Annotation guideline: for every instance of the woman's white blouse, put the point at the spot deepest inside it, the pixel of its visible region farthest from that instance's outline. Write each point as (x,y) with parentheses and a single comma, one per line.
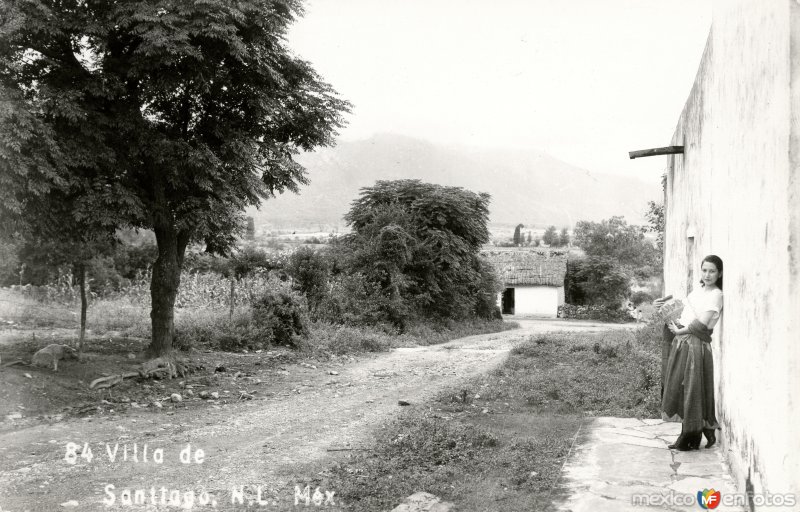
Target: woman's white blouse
(698,302)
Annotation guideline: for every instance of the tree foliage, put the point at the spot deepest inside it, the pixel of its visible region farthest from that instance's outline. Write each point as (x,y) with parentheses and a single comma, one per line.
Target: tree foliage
(655,219)
(614,238)
(250,229)
(160,114)
(518,237)
(616,252)
(416,245)
(310,270)
(550,236)
(597,280)
(563,239)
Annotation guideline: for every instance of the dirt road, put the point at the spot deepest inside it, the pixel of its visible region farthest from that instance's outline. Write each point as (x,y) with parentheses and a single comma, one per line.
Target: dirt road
(268,445)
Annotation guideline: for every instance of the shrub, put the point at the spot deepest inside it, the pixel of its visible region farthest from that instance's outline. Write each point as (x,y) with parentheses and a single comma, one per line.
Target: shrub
(486,293)
(641,297)
(352,300)
(596,280)
(310,271)
(251,259)
(417,246)
(203,262)
(602,313)
(131,259)
(9,263)
(282,315)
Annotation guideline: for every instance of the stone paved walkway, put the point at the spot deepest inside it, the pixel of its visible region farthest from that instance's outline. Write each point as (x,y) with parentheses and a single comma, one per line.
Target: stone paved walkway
(623,464)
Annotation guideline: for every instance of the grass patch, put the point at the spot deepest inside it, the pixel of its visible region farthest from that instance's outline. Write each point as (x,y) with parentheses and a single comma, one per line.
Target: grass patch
(499,441)
(479,467)
(203,324)
(616,373)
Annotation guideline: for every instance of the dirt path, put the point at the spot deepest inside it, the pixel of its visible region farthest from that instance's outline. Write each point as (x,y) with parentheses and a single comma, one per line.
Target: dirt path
(275,443)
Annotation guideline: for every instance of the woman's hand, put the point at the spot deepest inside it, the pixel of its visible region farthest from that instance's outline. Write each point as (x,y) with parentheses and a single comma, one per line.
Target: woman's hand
(672,327)
(658,303)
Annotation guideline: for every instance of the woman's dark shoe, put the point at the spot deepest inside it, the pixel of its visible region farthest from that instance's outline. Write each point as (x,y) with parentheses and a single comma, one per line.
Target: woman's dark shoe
(694,440)
(681,441)
(686,442)
(711,436)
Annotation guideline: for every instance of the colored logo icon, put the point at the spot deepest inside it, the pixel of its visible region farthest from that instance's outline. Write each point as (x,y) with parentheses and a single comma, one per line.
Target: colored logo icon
(708,499)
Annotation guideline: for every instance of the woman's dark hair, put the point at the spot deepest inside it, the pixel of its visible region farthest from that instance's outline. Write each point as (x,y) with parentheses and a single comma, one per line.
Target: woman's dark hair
(717,262)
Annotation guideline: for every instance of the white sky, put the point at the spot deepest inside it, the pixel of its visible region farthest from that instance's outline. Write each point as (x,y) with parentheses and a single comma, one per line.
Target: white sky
(583,80)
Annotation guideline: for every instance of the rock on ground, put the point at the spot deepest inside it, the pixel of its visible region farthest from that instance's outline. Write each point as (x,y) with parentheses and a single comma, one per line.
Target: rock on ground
(423,502)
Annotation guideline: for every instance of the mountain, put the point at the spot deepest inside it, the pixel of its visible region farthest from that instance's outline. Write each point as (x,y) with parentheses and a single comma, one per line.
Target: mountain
(526,186)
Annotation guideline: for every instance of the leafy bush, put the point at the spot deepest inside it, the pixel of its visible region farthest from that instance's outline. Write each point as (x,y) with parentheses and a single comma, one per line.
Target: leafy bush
(641,297)
(132,259)
(353,300)
(596,281)
(9,263)
(214,329)
(485,295)
(205,263)
(310,272)
(281,315)
(416,247)
(602,313)
(251,259)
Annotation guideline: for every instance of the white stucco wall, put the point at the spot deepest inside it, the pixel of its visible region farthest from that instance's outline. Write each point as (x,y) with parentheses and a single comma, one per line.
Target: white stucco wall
(736,191)
(537,300)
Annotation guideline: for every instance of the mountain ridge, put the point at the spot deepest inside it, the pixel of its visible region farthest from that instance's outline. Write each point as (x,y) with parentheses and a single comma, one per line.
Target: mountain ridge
(526,186)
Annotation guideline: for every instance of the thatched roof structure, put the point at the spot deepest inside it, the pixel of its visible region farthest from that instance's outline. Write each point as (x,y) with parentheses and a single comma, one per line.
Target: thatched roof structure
(528,267)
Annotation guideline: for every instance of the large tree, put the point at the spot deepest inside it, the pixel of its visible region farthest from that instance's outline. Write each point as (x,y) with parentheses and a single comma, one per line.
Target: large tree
(160,114)
(518,237)
(563,239)
(614,238)
(418,245)
(550,236)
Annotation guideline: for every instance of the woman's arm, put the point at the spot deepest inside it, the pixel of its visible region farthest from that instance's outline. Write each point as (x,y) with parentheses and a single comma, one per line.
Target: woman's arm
(675,330)
(660,302)
(704,318)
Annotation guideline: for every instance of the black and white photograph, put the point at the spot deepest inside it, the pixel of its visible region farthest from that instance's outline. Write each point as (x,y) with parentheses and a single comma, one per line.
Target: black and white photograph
(400,255)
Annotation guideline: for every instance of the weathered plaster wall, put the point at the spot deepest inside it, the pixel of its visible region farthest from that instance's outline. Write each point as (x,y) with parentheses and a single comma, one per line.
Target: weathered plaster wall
(736,193)
(536,300)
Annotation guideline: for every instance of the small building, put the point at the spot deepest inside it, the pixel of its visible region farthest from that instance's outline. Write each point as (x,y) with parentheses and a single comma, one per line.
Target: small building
(533,280)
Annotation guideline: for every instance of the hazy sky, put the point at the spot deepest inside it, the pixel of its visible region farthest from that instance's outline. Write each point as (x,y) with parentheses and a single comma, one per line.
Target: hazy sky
(584,80)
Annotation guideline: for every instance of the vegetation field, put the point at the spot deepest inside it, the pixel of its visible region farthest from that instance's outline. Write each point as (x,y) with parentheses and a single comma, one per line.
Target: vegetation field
(232,356)
(500,441)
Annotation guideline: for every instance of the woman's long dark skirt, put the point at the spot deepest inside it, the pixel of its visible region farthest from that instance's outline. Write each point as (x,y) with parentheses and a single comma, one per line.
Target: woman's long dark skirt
(689,384)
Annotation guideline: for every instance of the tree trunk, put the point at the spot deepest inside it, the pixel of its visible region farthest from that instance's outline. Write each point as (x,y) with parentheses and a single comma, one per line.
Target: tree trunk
(164,285)
(233,296)
(84,306)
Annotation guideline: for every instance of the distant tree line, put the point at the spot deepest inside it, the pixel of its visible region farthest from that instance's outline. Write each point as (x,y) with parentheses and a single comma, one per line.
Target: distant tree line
(551,237)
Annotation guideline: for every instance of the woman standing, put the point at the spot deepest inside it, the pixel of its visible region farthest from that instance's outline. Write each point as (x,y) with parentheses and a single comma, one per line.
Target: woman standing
(689,376)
